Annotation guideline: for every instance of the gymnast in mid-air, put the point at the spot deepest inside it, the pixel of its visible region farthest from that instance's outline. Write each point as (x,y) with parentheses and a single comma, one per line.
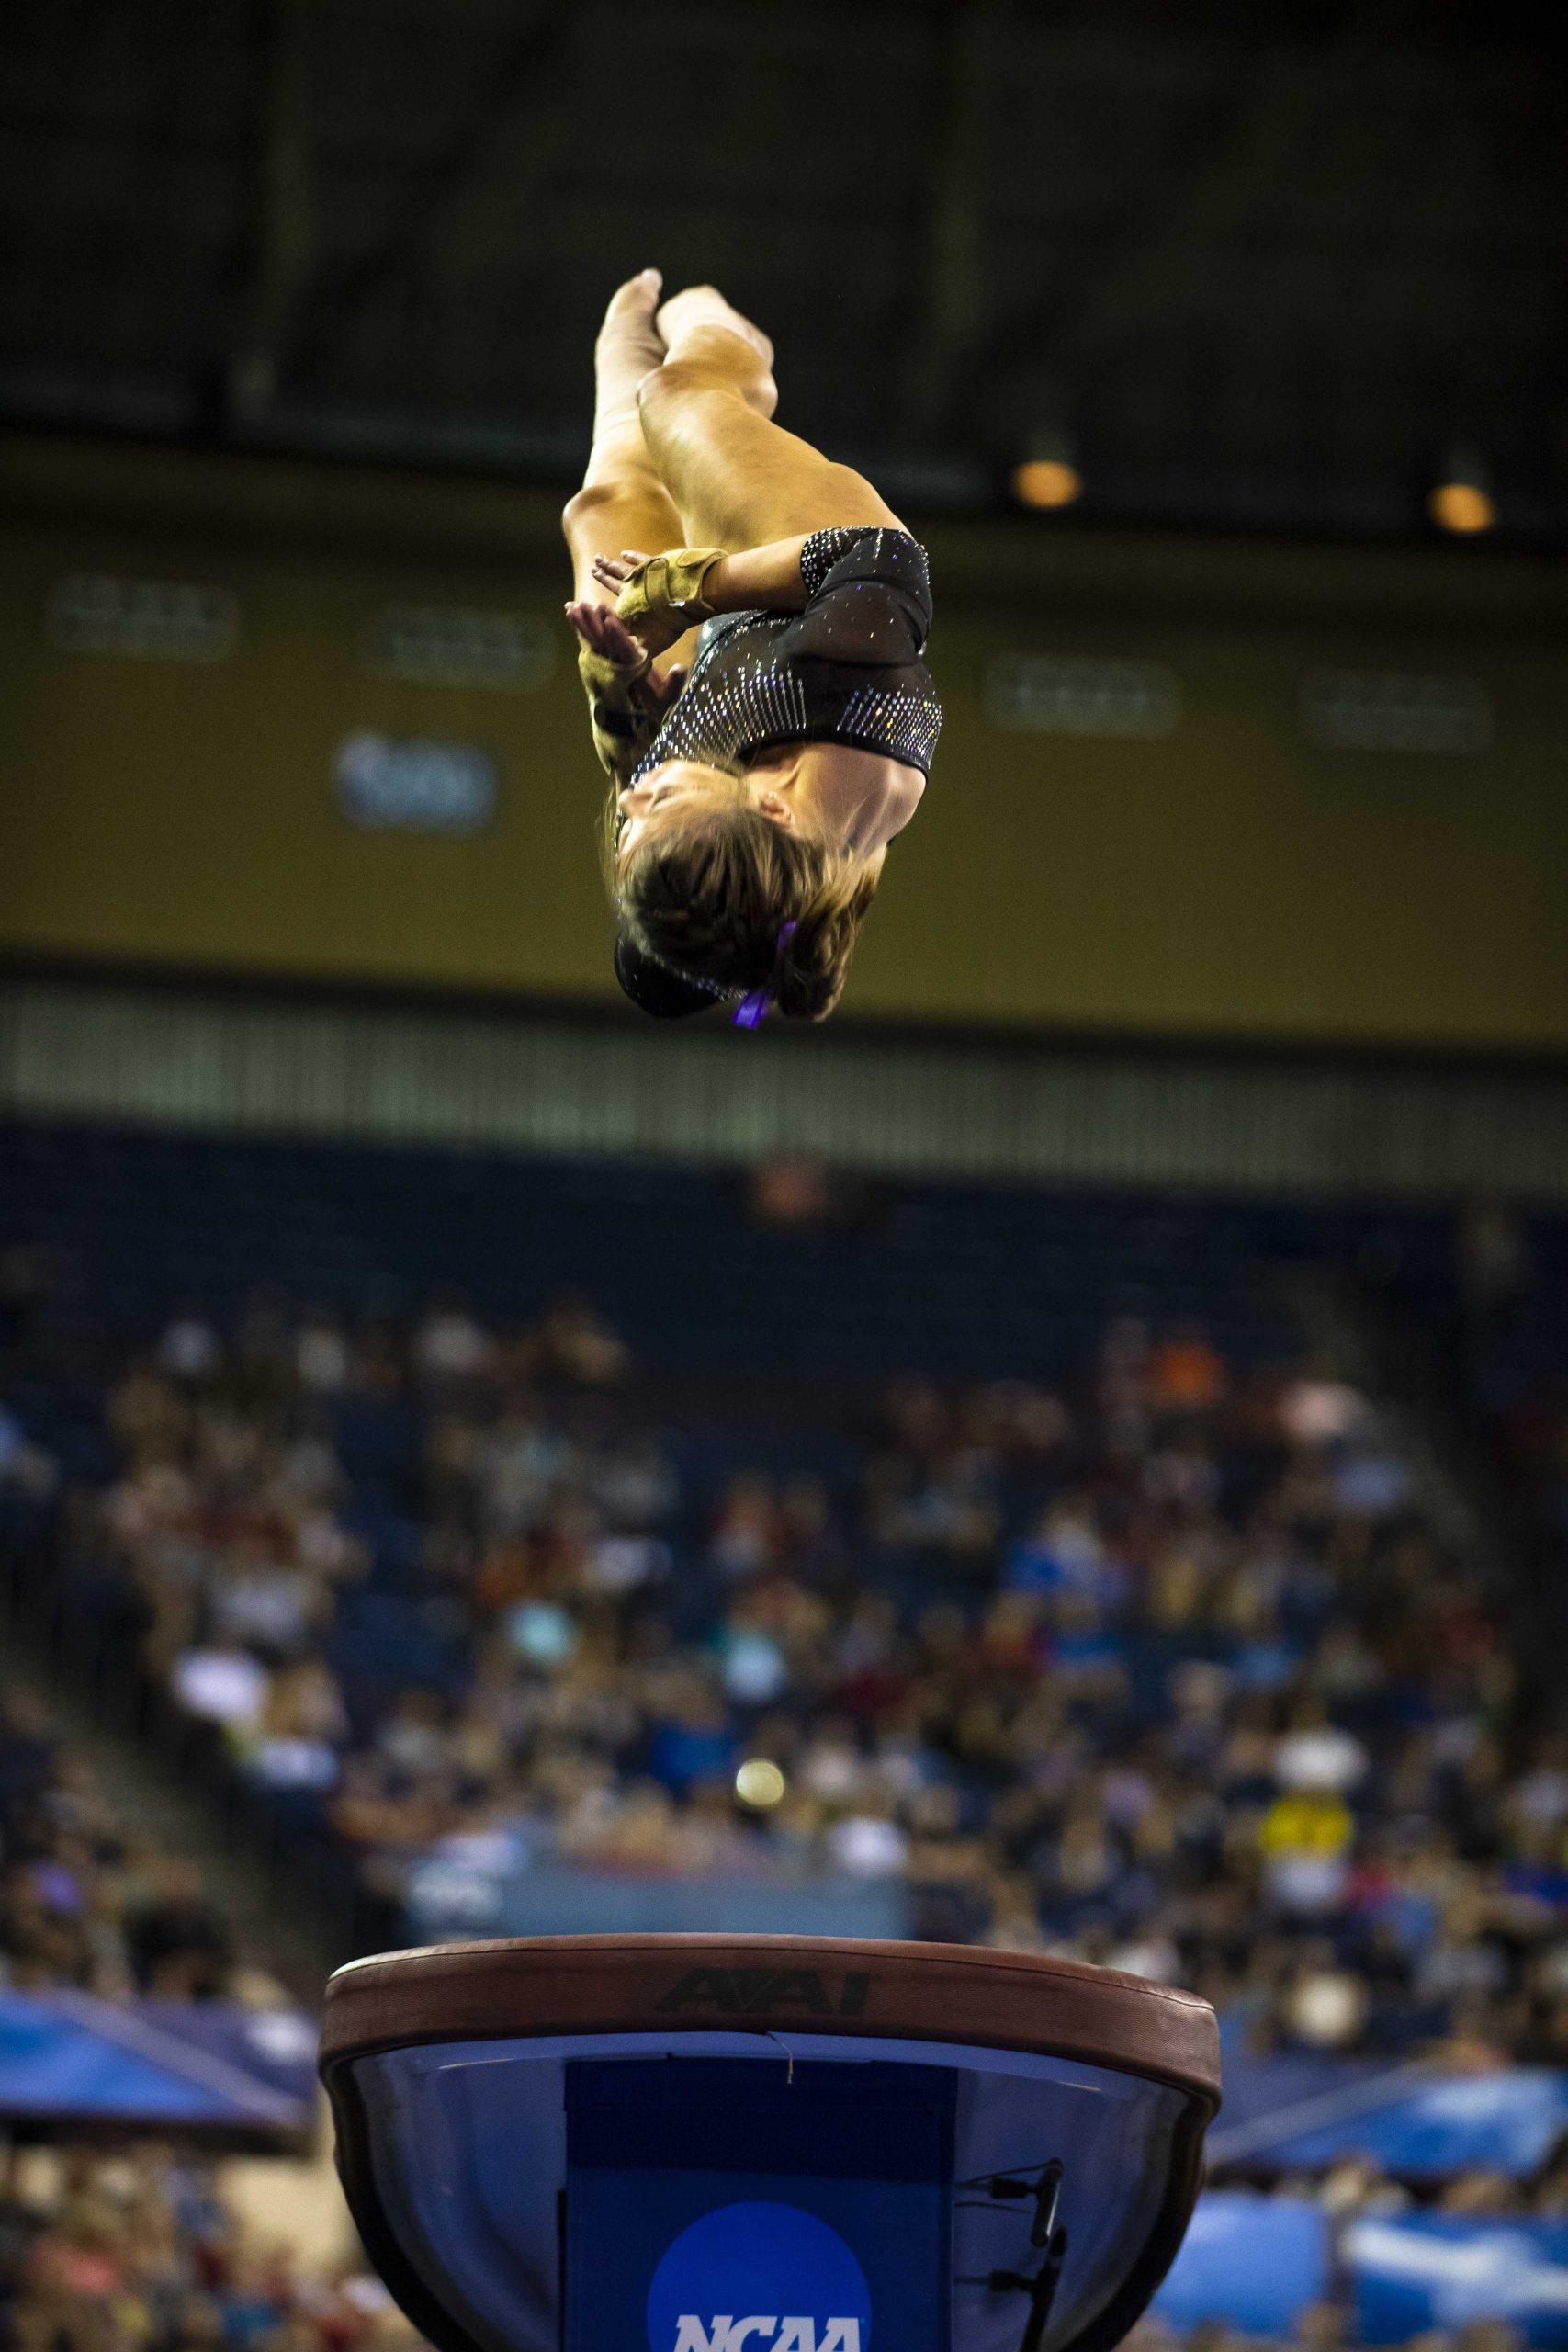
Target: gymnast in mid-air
(751,618)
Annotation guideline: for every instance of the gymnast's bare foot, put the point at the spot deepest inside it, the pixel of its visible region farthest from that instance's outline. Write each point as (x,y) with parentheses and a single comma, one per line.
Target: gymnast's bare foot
(699,310)
(704,306)
(629,344)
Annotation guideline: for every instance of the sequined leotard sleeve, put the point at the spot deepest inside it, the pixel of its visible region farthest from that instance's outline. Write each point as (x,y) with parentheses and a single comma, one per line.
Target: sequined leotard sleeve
(847,669)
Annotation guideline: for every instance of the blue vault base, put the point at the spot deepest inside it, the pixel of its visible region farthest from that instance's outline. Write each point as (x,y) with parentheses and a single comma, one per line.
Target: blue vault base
(769,2205)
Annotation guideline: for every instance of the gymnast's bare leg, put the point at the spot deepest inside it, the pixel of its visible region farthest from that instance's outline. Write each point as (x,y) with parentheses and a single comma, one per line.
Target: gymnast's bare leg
(622,503)
(737,479)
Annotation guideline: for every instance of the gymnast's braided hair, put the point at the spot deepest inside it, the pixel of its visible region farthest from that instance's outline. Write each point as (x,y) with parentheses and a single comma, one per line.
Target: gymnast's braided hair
(733,902)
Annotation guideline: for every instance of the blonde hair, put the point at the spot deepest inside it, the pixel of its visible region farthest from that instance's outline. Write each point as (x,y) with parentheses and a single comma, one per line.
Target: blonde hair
(709,897)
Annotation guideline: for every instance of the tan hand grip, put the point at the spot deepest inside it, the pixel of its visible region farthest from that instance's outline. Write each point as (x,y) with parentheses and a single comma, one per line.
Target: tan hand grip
(618,711)
(669,584)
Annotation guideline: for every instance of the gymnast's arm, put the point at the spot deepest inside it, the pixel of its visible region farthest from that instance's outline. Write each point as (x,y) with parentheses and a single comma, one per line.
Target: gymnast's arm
(758,579)
(871,581)
(765,579)
(864,594)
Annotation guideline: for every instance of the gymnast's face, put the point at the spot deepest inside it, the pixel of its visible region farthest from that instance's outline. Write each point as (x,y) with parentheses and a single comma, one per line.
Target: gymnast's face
(678,789)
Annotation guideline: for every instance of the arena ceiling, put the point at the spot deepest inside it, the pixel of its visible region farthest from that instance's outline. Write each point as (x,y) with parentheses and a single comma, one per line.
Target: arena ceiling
(1266,265)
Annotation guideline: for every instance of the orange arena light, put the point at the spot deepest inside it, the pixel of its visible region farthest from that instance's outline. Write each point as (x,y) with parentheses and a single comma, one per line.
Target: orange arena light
(1461,506)
(1047,482)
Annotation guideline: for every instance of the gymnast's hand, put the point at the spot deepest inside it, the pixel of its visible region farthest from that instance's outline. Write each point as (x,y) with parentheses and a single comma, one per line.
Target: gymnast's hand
(598,629)
(652,629)
(613,572)
(659,597)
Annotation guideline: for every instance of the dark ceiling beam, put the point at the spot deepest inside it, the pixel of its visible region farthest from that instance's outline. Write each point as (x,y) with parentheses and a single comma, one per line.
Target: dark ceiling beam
(1223,194)
(946,313)
(281,229)
(1171,247)
(1223,197)
(524,126)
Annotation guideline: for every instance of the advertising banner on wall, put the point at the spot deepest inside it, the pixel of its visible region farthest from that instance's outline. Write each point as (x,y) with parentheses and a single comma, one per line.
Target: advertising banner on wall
(1420,2271)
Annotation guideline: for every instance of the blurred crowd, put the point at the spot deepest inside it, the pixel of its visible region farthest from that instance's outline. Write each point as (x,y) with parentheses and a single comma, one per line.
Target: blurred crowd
(1321,2327)
(87,1900)
(1163,1668)
(139,2251)
(1509,1353)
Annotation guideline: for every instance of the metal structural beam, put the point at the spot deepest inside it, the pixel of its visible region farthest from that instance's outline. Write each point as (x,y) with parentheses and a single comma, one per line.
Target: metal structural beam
(1269,266)
(946,318)
(525,124)
(282,240)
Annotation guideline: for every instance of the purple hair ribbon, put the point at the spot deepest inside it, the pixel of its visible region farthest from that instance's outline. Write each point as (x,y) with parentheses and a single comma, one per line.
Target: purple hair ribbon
(753,1011)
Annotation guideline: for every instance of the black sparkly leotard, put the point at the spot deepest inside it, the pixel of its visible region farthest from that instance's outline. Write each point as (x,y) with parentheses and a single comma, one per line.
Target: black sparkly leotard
(847,669)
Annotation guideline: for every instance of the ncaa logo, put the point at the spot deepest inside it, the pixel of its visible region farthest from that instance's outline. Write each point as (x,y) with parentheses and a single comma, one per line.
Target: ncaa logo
(759,2278)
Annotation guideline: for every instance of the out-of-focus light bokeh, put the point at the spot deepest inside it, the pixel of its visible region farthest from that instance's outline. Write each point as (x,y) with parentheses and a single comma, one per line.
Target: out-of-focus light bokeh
(760,1783)
(1464,507)
(1047,482)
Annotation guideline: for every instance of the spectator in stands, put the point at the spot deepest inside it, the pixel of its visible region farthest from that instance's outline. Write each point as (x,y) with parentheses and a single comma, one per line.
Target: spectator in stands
(81,1901)
(1492,1262)
(574,1343)
(180,1943)
(25,1470)
(132,2252)
(1167,1663)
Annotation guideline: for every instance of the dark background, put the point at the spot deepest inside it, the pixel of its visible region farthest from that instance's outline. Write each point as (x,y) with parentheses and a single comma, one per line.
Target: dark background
(1266,266)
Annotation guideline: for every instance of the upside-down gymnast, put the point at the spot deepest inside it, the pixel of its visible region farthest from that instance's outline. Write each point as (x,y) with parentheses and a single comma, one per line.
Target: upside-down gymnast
(751,619)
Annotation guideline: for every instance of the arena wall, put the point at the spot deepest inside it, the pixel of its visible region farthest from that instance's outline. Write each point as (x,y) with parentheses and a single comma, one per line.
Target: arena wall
(252,1061)
(1222,790)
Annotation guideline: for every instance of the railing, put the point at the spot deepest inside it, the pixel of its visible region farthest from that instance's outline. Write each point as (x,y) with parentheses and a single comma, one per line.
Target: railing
(1034,1109)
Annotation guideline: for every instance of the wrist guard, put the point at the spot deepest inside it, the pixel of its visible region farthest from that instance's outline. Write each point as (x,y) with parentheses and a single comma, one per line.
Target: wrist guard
(619,712)
(670,584)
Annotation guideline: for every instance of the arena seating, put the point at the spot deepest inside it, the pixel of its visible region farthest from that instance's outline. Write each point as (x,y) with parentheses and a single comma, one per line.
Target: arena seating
(964,1281)
(523,1544)
(140,2249)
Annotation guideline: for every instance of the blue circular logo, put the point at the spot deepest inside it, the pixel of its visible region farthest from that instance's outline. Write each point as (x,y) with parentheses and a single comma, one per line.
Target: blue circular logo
(759,2278)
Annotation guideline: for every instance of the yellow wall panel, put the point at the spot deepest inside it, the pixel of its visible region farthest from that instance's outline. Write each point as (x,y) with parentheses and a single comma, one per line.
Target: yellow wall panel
(1228,878)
